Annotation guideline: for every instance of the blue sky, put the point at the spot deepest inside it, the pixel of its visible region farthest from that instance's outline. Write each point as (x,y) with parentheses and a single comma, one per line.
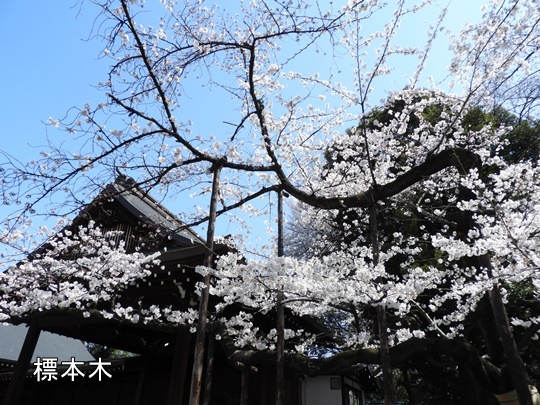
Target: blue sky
(50,64)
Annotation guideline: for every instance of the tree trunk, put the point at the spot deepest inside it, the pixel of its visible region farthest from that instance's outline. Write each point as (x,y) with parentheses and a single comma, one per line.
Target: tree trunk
(515,364)
(519,375)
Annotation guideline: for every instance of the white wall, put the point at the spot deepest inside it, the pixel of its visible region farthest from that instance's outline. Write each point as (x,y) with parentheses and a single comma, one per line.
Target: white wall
(316,391)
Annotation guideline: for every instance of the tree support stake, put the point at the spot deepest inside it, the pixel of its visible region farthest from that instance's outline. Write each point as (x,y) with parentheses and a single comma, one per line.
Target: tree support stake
(198,359)
(388,384)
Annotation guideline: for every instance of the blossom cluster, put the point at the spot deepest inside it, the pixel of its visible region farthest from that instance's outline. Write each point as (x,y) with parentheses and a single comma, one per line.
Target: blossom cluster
(85,269)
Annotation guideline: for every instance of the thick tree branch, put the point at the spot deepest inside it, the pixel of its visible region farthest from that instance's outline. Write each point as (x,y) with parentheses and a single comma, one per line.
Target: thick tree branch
(401,355)
(461,159)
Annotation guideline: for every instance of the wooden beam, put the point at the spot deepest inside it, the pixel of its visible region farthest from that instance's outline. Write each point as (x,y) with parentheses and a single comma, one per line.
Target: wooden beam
(23,364)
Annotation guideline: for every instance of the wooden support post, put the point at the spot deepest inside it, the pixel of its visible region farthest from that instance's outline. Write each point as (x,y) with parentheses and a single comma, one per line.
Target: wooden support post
(209,370)
(388,378)
(388,384)
(140,380)
(179,367)
(280,242)
(280,311)
(244,391)
(23,363)
(280,349)
(198,359)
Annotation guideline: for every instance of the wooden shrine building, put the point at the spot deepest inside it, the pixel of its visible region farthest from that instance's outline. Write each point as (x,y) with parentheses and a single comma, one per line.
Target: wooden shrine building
(160,372)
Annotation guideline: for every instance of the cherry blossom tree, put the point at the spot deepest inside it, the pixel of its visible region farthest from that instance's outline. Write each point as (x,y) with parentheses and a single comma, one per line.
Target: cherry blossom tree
(281,82)
(409,221)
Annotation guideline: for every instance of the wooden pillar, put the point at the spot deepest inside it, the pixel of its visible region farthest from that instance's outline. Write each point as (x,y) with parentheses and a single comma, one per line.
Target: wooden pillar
(23,363)
(179,367)
(140,380)
(244,390)
(263,379)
